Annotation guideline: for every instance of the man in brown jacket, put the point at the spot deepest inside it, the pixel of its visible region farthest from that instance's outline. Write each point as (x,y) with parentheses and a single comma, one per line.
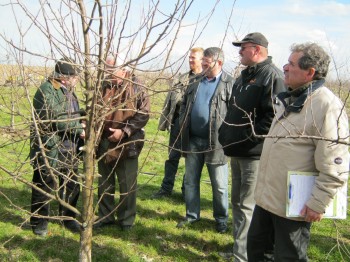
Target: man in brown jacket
(120,145)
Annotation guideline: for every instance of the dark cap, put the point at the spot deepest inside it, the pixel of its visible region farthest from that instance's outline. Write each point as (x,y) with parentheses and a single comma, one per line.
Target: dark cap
(64,67)
(255,38)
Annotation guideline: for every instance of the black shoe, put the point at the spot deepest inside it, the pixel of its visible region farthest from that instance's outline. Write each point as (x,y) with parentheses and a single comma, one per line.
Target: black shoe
(40,229)
(186,222)
(72,226)
(100,224)
(221,227)
(160,194)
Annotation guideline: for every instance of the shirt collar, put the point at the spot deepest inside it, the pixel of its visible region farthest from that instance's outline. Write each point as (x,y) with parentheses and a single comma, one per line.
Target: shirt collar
(214,78)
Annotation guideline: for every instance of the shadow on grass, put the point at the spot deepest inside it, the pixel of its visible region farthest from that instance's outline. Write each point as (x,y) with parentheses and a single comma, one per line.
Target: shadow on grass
(145,192)
(12,203)
(57,247)
(159,232)
(22,245)
(184,244)
(328,247)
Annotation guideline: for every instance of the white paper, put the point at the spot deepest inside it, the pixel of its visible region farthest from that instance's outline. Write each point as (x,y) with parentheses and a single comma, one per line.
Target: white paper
(299,190)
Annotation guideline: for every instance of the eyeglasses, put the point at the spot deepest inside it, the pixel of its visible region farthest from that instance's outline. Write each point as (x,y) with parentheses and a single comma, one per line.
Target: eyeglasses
(244,47)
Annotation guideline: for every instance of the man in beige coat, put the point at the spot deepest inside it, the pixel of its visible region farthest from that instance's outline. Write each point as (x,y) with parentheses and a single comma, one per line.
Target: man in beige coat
(309,134)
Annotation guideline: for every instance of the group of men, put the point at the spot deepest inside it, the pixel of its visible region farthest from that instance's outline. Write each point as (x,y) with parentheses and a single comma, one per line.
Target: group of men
(262,121)
(58,134)
(266,122)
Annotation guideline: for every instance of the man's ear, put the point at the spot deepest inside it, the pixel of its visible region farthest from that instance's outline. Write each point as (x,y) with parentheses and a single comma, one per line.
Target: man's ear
(257,49)
(310,73)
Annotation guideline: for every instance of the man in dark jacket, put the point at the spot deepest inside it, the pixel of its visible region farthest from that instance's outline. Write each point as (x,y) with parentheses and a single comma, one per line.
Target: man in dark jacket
(55,137)
(125,106)
(169,120)
(249,115)
(203,109)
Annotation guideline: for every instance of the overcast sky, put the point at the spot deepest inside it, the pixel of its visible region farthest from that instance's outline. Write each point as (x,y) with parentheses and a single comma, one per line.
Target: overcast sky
(283,22)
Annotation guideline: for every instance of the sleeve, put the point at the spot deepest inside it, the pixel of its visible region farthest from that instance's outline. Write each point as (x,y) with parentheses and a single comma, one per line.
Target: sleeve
(331,157)
(48,106)
(274,85)
(183,104)
(68,122)
(141,117)
(164,121)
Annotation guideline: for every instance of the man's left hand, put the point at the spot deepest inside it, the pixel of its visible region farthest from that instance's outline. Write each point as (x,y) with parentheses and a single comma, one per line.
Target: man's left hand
(310,215)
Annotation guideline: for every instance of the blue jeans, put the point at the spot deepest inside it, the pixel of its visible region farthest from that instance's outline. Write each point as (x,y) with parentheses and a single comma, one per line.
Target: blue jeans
(171,165)
(244,175)
(218,174)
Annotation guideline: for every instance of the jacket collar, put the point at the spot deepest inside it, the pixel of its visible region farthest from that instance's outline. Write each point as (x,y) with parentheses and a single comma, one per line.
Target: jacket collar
(298,104)
(225,77)
(252,70)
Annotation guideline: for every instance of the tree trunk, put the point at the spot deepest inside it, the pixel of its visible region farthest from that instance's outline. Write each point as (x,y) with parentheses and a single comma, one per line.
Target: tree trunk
(88,200)
(88,181)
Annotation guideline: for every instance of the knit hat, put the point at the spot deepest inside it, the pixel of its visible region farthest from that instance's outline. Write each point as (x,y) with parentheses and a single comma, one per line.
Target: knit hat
(255,38)
(64,67)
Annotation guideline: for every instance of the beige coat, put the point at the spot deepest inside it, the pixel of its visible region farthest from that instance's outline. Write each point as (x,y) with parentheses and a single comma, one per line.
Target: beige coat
(292,145)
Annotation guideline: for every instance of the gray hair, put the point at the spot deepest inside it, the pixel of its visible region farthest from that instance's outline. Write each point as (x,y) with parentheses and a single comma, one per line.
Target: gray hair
(314,56)
(216,53)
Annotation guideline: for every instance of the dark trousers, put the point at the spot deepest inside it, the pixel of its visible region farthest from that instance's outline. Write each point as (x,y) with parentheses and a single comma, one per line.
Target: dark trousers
(274,238)
(172,164)
(126,172)
(68,187)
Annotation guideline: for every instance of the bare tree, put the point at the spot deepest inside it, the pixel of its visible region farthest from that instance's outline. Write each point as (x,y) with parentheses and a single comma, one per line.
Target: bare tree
(88,32)
(145,32)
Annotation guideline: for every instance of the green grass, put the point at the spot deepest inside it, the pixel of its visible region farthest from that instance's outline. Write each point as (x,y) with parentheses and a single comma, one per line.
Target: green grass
(154,236)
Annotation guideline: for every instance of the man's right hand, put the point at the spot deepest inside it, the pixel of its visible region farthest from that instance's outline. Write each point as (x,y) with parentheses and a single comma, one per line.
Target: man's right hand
(116,136)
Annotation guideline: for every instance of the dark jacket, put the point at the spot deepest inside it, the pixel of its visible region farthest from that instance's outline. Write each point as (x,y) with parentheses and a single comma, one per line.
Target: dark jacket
(129,107)
(218,111)
(54,123)
(172,103)
(251,108)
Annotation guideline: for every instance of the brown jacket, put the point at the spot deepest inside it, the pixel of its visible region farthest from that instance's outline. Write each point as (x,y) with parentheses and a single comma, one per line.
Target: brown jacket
(129,106)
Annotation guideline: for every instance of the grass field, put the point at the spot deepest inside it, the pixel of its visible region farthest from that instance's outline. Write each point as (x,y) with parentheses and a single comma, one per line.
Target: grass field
(154,236)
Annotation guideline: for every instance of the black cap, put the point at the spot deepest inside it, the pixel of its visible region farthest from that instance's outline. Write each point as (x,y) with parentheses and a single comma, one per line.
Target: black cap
(64,67)
(255,38)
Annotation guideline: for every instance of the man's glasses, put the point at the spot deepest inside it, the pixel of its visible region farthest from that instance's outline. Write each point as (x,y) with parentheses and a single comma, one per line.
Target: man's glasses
(244,47)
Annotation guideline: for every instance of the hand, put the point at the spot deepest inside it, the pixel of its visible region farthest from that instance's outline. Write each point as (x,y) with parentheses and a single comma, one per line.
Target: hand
(310,215)
(82,135)
(116,136)
(83,125)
